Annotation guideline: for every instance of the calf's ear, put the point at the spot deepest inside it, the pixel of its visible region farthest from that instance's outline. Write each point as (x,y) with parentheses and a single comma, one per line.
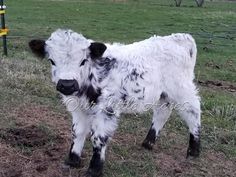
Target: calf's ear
(37,46)
(97,49)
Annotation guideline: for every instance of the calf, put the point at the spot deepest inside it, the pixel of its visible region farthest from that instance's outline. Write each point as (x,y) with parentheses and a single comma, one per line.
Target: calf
(100,81)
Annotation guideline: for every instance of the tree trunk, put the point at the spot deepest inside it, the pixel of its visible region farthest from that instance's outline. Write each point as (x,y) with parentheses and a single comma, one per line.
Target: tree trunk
(199,2)
(178,3)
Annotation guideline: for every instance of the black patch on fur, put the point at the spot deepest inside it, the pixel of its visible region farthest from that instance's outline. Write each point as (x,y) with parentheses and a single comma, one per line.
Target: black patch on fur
(91,76)
(137,90)
(73,131)
(164,96)
(134,75)
(191,52)
(104,65)
(141,75)
(83,62)
(141,98)
(92,132)
(73,159)
(92,94)
(73,127)
(150,139)
(109,111)
(38,47)
(96,164)
(82,90)
(194,145)
(97,49)
(103,140)
(124,96)
(52,62)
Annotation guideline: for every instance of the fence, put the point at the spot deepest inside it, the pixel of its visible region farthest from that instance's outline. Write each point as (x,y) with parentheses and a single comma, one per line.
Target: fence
(3,30)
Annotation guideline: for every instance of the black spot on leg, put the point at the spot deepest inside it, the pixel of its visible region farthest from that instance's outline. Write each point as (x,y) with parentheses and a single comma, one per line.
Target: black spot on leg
(73,131)
(103,140)
(92,132)
(73,159)
(191,52)
(150,139)
(72,128)
(194,145)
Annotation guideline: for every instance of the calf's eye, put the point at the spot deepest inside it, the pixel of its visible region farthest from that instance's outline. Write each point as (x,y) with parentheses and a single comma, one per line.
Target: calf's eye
(52,62)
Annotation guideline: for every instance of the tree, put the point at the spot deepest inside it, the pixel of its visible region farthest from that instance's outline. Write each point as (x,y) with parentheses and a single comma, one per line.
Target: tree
(199,3)
(178,3)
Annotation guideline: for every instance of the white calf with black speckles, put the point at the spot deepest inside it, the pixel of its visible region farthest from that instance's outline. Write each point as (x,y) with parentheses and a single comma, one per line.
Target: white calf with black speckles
(99,81)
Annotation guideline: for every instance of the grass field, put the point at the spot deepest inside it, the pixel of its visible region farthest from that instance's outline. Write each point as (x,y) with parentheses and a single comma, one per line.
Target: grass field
(35,127)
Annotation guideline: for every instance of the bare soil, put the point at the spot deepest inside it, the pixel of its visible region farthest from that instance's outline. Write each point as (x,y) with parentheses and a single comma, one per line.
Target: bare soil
(222,85)
(29,150)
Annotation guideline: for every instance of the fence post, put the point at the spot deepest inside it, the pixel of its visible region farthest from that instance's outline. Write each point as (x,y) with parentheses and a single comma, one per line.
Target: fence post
(3,31)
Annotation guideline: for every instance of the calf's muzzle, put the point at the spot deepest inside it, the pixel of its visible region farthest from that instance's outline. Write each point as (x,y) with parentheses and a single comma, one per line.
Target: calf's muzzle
(67,87)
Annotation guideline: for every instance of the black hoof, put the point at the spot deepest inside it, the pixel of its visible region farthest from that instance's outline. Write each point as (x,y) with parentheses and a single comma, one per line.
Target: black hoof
(194,147)
(73,160)
(94,172)
(193,152)
(150,139)
(147,145)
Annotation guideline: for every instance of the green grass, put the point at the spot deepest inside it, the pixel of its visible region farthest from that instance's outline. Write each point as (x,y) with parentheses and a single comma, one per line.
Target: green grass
(24,80)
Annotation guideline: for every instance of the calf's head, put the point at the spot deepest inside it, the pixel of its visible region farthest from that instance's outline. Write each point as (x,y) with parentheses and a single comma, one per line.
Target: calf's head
(71,56)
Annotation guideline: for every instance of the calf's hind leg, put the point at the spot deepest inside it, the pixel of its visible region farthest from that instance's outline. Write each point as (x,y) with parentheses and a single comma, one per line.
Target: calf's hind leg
(190,112)
(160,116)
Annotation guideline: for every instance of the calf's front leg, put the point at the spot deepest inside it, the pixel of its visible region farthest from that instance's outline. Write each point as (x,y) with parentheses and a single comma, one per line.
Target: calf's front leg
(80,129)
(103,127)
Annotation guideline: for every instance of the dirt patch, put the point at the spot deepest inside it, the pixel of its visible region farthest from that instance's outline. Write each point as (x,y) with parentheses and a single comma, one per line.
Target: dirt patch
(218,85)
(36,144)
(28,137)
(209,164)
(48,150)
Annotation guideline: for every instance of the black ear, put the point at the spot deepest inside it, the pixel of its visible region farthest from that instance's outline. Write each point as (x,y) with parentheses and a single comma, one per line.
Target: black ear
(38,47)
(97,49)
